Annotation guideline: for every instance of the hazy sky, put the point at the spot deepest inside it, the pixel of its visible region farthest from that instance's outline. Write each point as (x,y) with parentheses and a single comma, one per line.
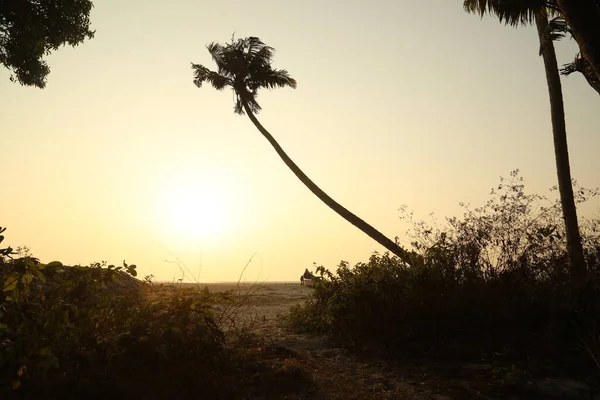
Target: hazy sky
(398,102)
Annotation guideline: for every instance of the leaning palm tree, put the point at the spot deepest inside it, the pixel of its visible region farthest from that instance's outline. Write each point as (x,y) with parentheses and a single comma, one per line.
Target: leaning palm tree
(558,28)
(583,17)
(522,12)
(244,65)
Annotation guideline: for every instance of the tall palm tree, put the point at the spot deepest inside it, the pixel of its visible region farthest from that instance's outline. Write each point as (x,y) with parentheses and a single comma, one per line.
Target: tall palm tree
(522,12)
(245,66)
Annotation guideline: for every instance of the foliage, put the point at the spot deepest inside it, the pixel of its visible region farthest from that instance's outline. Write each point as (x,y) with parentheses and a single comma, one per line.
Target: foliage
(90,332)
(244,65)
(492,283)
(95,332)
(523,12)
(30,30)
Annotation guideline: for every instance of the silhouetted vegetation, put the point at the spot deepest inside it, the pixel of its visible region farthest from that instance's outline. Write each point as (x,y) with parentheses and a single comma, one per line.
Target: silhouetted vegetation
(583,19)
(492,286)
(96,332)
(30,30)
(566,20)
(538,13)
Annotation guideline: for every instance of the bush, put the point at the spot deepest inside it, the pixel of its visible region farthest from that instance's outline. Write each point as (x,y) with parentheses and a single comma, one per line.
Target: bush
(495,282)
(90,332)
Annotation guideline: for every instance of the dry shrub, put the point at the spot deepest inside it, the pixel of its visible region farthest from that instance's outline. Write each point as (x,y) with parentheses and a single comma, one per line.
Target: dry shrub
(493,284)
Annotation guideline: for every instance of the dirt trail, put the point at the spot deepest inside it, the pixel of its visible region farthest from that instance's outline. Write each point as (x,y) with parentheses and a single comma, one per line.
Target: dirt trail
(337,375)
(341,376)
(326,372)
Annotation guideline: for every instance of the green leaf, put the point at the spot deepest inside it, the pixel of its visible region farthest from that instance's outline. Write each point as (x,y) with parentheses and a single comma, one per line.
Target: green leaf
(54,264)
(40,275)
(13,281)
(26,279)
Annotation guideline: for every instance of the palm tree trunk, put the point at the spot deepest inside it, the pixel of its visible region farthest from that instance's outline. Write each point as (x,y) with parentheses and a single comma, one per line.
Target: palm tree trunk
(583,17)
(561,153)
(404,255)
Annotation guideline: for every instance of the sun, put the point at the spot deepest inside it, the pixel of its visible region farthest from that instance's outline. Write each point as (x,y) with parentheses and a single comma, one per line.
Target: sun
(194,208)
(197,213)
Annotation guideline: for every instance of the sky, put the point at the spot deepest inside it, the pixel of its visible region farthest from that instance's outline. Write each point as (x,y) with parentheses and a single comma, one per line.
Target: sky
(398,103)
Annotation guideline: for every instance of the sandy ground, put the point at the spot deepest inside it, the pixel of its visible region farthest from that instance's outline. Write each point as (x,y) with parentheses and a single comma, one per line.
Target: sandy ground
(339,375)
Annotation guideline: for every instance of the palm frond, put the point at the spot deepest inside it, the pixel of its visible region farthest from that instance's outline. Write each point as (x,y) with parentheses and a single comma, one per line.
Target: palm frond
(582,65)
(245,65)
(253,45)
(556,30)
(250,100)
(203,74)
(511,12)
(260,59)
(271,79)
(218,54)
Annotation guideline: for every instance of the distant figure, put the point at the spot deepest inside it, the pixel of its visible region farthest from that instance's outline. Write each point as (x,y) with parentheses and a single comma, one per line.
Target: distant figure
(307,278)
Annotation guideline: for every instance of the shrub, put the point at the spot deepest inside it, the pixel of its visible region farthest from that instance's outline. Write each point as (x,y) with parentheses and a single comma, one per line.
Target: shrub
(90,332)
(494,282)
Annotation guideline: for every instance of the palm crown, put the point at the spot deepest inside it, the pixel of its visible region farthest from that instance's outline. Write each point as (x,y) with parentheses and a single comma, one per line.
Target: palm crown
(511,12)
(245,66)
(523,12)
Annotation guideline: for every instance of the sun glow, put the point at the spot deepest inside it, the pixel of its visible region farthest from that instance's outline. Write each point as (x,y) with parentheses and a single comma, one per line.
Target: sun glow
(195,208)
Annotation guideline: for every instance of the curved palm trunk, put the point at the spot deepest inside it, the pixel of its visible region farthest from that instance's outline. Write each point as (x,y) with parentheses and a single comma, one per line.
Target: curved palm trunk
(325,198)
(561,153)
(583,17)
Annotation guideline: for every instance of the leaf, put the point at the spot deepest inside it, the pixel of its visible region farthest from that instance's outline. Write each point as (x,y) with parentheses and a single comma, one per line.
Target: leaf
(40,275)
(12,283)
(16,384)
(54,264)
(26,279)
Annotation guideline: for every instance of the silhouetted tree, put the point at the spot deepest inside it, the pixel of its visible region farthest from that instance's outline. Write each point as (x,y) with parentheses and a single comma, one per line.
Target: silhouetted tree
(529,12)
(244,65)
(31,29)
(583,18)
(516,12)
